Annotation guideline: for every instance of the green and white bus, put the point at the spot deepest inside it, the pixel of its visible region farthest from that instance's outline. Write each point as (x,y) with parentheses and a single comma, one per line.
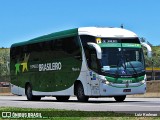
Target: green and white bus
(84,62)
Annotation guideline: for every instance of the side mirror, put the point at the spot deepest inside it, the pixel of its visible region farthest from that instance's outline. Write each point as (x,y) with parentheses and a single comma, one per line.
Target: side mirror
(149,49)
(98,49)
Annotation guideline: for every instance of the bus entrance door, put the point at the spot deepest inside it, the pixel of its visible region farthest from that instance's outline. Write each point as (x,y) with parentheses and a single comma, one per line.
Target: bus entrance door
(94,82)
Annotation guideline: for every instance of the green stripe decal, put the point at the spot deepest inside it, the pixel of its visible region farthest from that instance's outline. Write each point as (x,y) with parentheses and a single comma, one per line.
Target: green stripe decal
(110,44)
(120,80)
(131,45)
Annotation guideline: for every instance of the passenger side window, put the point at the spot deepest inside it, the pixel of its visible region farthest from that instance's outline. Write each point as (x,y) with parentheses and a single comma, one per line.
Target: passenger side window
(71,46)
(94,65)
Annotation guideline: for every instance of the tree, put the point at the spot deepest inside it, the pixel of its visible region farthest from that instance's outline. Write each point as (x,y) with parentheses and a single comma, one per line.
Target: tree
(4,59)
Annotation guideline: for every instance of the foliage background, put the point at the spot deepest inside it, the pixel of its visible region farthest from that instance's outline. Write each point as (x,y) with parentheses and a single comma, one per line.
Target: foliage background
(155,60)
(4,64)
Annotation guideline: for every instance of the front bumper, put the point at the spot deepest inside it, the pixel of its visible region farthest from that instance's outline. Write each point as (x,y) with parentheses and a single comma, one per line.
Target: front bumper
(122,89)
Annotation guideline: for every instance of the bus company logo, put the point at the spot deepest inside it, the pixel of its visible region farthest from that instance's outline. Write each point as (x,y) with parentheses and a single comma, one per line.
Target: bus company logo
(123,72)
(47,66)
(24,64)
(50,66)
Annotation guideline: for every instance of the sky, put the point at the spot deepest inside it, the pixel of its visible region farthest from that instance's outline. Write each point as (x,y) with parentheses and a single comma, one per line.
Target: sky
(22,20)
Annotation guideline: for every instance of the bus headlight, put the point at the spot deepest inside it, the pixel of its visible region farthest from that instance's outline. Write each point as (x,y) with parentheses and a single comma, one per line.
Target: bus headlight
(143,81)
(103,79)
(107,82)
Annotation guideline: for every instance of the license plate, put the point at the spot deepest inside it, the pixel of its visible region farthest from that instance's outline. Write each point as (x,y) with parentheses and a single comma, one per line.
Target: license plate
(127,90)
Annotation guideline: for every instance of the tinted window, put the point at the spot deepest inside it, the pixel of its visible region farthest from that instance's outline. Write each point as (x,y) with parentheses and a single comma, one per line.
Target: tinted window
(87,38)
(49,50)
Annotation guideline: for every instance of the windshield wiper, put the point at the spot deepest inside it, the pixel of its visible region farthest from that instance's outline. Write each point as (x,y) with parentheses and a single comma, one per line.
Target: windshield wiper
(133,68)
(121,63)
(127,60)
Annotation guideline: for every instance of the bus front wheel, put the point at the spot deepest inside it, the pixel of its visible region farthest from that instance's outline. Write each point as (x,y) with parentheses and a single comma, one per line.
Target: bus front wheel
(29,94)
(80,94)
(120,98)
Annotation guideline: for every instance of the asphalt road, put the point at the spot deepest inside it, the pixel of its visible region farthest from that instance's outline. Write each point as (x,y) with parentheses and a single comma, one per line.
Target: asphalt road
(94,104)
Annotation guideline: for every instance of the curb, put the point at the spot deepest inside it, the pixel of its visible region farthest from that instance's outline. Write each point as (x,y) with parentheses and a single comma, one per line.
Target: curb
(146,95)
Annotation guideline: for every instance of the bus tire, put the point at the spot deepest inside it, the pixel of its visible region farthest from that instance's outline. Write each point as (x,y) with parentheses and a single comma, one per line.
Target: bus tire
(80,94)
(36,98)
(62,98)
(29,94)
(120,98)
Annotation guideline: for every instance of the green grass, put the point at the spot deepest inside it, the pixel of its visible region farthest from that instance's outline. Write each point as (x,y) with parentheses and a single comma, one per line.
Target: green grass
(73,115)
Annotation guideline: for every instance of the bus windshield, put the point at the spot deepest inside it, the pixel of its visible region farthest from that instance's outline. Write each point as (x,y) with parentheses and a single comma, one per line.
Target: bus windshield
(122,61)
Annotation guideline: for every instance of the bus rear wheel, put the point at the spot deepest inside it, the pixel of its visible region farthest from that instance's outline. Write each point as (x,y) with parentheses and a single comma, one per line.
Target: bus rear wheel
(29,94)
(80,94)
(62,98)
(120,98)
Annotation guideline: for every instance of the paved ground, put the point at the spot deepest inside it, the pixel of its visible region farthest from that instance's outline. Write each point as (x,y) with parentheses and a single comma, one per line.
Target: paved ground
(94,104)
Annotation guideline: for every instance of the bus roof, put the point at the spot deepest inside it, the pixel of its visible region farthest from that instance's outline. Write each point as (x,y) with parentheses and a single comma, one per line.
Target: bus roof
(106,32)
(56,35)
(93,31)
